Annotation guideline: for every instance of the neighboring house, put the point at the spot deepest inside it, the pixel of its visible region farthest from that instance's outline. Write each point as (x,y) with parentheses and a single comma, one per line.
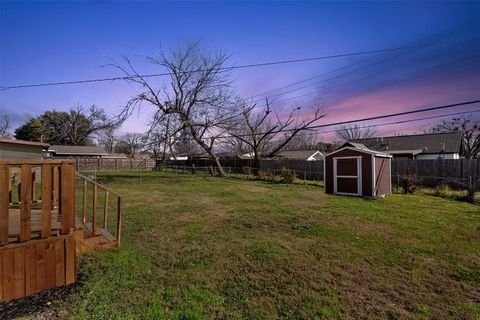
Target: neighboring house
(419,146)
(11,149)
(65,152)
(308,155)
(115,156)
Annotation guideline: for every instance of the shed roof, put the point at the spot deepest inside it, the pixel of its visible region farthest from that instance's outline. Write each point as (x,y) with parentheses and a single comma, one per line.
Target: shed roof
(361,148)
(426,143)
(79,150)
(24,142)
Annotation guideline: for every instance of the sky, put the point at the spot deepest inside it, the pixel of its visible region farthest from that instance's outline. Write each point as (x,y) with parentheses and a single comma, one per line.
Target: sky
(73,40)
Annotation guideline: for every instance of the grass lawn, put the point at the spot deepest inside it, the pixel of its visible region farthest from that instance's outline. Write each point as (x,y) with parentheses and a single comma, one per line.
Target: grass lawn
(202,248)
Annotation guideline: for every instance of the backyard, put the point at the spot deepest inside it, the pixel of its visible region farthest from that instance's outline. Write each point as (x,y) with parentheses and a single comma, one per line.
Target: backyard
(204,247)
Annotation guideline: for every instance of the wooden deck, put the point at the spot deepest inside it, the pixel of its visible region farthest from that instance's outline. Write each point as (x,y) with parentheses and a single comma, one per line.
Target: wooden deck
(35,223)
(40,234)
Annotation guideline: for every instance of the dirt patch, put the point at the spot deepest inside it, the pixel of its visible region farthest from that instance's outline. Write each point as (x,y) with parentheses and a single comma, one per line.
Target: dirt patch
(43,305)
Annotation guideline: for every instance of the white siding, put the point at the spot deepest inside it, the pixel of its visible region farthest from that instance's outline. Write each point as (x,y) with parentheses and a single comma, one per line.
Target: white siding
(434,156)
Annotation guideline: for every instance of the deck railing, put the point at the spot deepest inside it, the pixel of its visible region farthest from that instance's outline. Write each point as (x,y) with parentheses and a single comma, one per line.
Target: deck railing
(53,203)
(95,186)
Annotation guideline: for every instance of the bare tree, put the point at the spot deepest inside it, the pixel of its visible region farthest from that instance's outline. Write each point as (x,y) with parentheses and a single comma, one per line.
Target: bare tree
(198,92)
(130,144)
(265,133)
(107,139)
(352,132)
(4,126)
(469,127)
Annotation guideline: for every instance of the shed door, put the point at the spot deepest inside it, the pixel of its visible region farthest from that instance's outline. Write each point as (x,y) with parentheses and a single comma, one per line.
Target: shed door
(347,175)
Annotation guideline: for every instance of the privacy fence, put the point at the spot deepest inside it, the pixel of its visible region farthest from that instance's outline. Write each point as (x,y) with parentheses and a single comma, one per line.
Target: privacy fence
(461,172)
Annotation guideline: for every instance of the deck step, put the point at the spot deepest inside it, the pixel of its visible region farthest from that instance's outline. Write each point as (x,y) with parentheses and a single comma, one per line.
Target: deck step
(106,238)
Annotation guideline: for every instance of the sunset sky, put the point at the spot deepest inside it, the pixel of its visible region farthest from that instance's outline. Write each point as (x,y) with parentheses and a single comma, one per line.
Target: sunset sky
(61,41)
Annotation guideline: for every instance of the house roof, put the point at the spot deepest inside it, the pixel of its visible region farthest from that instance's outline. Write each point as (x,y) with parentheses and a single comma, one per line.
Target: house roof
(79,150)
(23,142)
(116,156)
(425,143)
(299,154)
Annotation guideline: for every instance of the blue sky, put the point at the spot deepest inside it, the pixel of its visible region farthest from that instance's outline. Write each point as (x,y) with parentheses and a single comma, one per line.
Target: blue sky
(57,41)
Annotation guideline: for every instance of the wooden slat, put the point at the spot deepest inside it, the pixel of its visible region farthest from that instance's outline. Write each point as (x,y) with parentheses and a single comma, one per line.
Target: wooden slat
(55,183)
(33,189)
(46,200)
(4,203)
(105,210)
(10,187)
(94,208)
(119,220)
(50,265)
(60,262)
(40,266)
(19,256)
(70,268)
(26,203)
(67,197)
(84,202)
(8,275)
(30,271)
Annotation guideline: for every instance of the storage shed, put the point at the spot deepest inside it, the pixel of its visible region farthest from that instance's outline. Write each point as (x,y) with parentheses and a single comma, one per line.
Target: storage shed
(355,170)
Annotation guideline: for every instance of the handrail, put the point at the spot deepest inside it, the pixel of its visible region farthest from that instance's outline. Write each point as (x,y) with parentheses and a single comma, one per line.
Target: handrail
(81,176)
(107,191)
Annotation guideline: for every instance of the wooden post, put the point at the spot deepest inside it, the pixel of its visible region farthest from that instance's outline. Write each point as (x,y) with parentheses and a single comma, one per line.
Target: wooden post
(46,200)
(26,203)
(10,189)
(34,191)
(67,197)
(4,204)
(105,210)
(94,209)
(119,220)
(84,202)
(55,191)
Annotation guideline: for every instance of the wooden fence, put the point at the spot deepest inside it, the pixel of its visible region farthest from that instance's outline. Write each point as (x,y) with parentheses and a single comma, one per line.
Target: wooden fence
(99,164)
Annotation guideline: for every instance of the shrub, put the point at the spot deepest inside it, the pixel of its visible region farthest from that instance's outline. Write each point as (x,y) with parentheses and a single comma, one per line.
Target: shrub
(409,183)
(442,190)
(287,175)
(266,175)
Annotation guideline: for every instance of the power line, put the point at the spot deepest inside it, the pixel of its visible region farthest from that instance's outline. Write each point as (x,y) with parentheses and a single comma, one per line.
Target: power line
(330,88)
(399,122)
(439,38)
(361,120)
(224,69)
(377,73)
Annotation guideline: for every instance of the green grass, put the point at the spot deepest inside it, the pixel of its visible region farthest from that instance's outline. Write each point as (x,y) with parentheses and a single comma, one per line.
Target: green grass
(203,248)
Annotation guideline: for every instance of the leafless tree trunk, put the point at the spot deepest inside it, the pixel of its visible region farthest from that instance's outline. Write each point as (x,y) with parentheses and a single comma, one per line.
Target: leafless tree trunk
(198,93)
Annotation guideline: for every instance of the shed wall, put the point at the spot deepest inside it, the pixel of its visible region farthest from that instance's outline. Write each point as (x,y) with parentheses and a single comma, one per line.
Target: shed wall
(382,176)
(367,182)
